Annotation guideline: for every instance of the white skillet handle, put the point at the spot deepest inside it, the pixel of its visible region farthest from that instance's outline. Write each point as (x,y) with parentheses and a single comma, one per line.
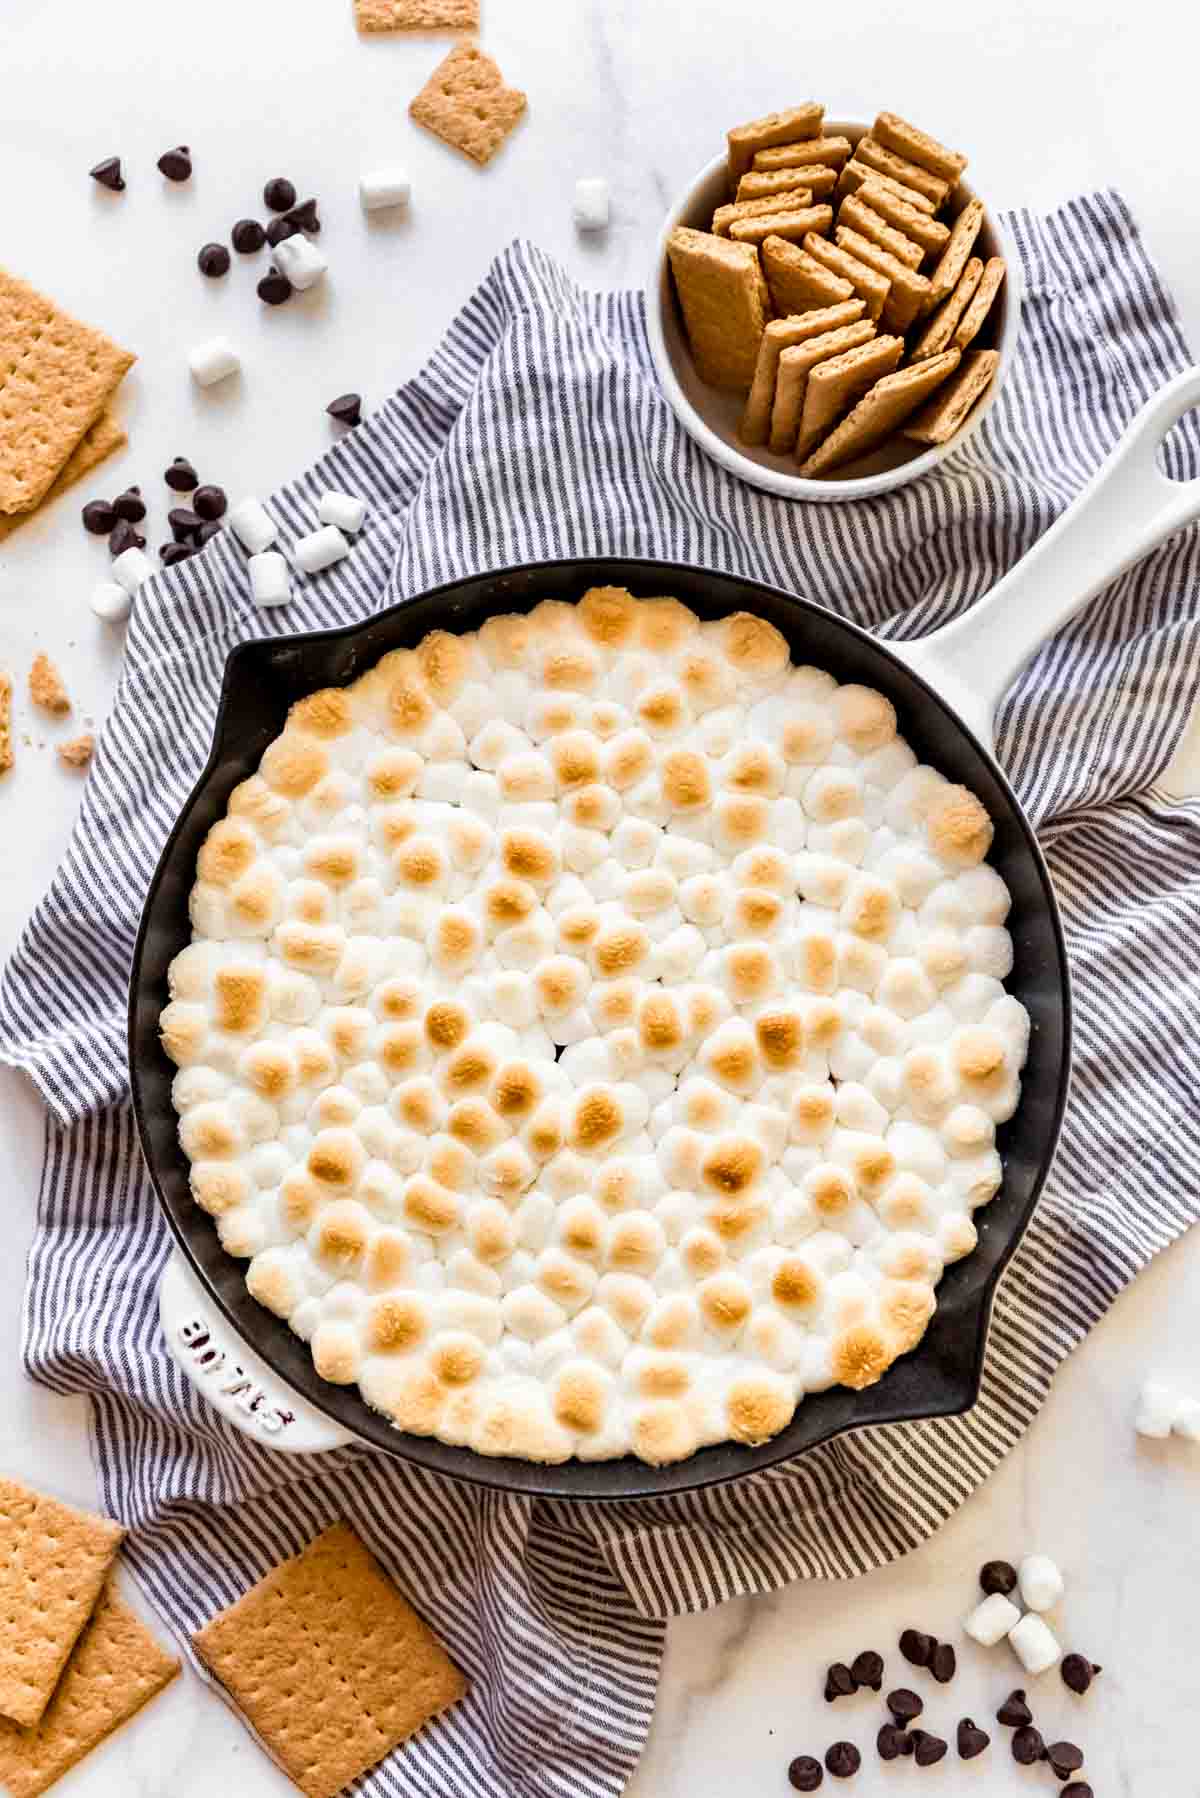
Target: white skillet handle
(233,1379)
(1127,508)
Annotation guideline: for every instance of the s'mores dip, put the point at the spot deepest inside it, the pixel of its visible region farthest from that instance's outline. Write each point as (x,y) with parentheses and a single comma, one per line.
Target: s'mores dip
(593,1033)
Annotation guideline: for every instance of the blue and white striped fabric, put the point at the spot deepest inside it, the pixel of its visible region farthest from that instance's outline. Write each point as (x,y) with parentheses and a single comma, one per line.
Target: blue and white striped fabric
(537,430)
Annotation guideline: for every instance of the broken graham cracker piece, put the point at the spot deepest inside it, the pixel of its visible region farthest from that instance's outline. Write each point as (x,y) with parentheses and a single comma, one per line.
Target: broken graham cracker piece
(909,174)
(791,380)
(783,334)
(792,201)
(871,287)
(6,761)
(880,195)
(46,687)
(465,102)
(953,259)
(796,124)
(791,226)
(939,332)
(903,139)
(331,1666)
(829,152)
(989,285)
(77,752)
(56,376)
(723,298)
(103,437)
(762,187)
(837,384)
(855,176)
(860,217)
(416,15)
(53,1562)
(908,292)
(880,412)
(797,281)
(116,1667)
(946,413)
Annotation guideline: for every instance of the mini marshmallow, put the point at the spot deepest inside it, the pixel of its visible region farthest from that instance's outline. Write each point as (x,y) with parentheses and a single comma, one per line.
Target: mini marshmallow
(320,549)
(213,361)
(1035,1645)
(380,189)
(995,1618)
(342,509)
(592,203)
(300,261)
(1042,1585)
(252,525)
(131,568)
(270,579)
(1158,1407)
(111,601)
(1187,1420)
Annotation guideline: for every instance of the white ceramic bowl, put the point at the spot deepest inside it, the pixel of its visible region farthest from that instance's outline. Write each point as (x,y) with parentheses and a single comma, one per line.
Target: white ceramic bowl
(710,415)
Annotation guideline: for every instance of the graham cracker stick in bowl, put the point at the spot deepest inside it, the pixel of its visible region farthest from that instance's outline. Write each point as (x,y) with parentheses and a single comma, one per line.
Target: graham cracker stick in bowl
(947,411)
(871,287)
(762,187)
(818,175)
(880,412)
(860,217)
(834,386)
(856,174)
(939,332)
(790,225)
(953,259)
(797,123)
(908,293)
(783,334)
(881,196)
(910,174)
(724,300)
(794,367)
(793,201)
(903,139)
(830,151)
(981,304)
(797,281)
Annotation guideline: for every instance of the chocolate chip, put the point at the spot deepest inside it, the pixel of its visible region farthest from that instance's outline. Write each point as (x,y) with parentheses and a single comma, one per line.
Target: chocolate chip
(208,530)
(108,174)
(839,1682)
(184,523)
(247,236)
(1065,1758)
(805,1774)
(971,1739)
(279,194)
(1078,1672)
(274,288)
(907,1744)
(125,537)
(176,164)
(843,1760)
(181,476)
(213,259)
(1027,1746)
(210,502)
(998,1576)
(130,505)
(304,216)
(943,1664)
(278,229)
(1014,1712)
(1078,1788)
(890,1742)
(346,408)
(927,1749)
(917,1647)
(98,517)
(866,1669)
(904,1705)
(170,553)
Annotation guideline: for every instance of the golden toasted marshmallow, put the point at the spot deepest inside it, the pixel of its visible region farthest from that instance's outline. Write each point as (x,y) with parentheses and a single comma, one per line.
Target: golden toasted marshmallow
(978,1055)
(627,1299)
(635,1243)
(959,829)
(421,863)
(661,708)
(509,902)
(570,668)
(739,821)
(397,1325)
(830,1191)
(560,983)
(401,1050)
(310,948)
(619,949)
(755,912)
(183,1029)
(430,1207)
(596,1121)
(516,1090)
(817,958)
(257,898)
(905,1203)
(254,801)
(609,616)
(582,1227)
(754,768)
(663,1432)
(732,1166)
(750,973)
(446,1026)
(335,1352)
(444,661)
(860,1356)
(662,1027)
(686,780)
(456,1358)
(393,774)
(628,759)
(229,850)
(457,942)
(580,1398)
(649,890)
(797,1288)
(865,719)
(779,1034)
(292,767)
(326,714)
(757,1408)
(614,1003)
(339,1237)
(217,1187)
(756,648)
(388,1260)
(725,1303)
(577,758)
(467,1070)
(872,909)
(766,867)
(664,625)
(473,1123)
(336,1159)
(702,1252)
(615,1186)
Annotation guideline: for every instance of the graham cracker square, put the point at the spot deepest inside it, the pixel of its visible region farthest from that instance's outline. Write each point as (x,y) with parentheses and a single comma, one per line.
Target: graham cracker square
(101,439)
(53,1562)
(116,1668)
(466,103)
(417,15)
(330,1665)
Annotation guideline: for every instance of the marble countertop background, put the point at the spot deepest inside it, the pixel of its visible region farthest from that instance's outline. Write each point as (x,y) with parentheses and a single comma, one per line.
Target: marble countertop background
(1077,94)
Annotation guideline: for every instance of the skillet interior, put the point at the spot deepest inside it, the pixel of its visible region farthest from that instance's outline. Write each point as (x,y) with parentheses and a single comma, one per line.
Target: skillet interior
(942,1375)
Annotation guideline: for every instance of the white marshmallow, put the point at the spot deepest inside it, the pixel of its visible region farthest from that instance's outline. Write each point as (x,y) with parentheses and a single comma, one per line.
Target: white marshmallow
(270,579)
(1042,1585)
(380,189)
(110,601)
(252,525)
(131,568)
(342,509)
(320,549)
(1035,1644)
(592,203)
(992,1620)
(213,361)
(300,260)
(1187,1420)
(1158,1407)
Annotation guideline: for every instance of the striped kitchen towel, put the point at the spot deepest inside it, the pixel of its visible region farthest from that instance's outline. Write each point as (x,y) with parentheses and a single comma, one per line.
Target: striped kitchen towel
(537,430)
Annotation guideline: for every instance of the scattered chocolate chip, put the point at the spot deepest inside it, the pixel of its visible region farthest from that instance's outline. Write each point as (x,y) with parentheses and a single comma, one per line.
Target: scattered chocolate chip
(108,174)
(176,164)
(181,476)
(346,408)
(805,1774)
(279,194)
(208,530)
(278,229)
(1027,1746)
(1065,1758)
(1014,1712)
(839,1682)
(998,1576)
(917,1648)
(866,1669)
(971,1739)
(304,216)
(904,1705)
(890,1742)
(843,1760)
(130,505)
(210,502)
(124,537)
(1078,1788)
(170,553)
(943,1663)
(907,1743)
(247,236)
(274,288)
(184,523)
(98,517)
(213,259)
(928,1750)
(1078,1672)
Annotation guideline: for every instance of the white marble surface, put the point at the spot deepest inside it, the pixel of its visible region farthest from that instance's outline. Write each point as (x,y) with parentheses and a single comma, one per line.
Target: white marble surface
(1072,94)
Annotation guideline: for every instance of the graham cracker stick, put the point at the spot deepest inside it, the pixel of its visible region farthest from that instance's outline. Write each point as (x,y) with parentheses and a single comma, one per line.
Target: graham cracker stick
(783,334)
(795,364)
(417,15)
(908,292)
(724,216)
(723,298)
(762,187)
(830,151)
(834,386)
(6,743)
(989,286)
(953,259)
(797,281)
(790,225)
(880,412)
(948,410)
(856,174)
(882,198)
(939,332)
(797,123)
(909,174)
(903,139)
(872,287)
(860,217)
